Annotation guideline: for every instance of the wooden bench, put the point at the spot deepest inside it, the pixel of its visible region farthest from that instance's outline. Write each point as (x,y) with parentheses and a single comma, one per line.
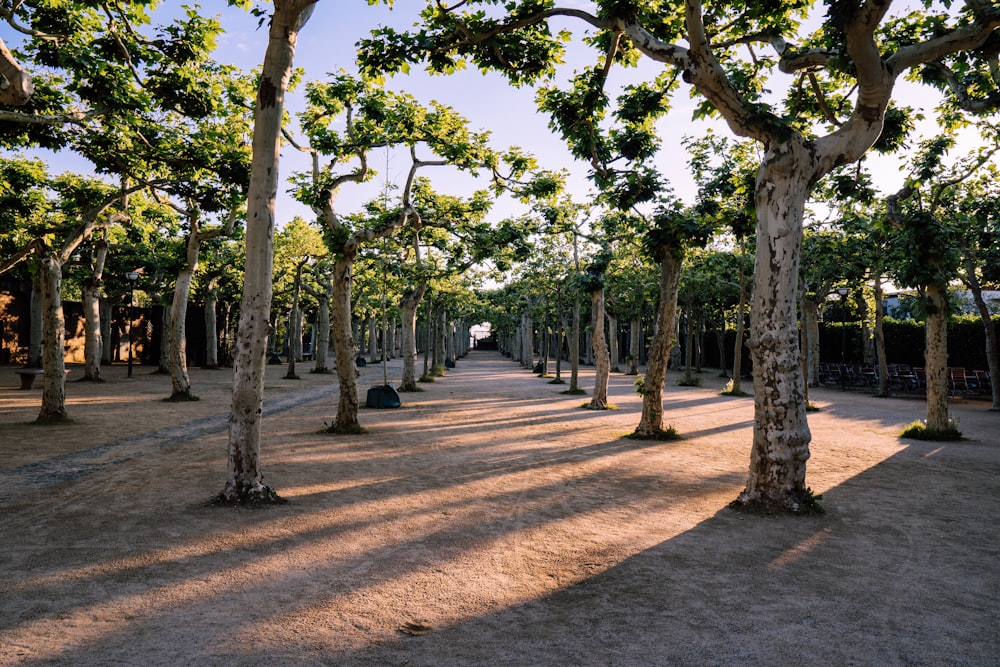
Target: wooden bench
(28,376)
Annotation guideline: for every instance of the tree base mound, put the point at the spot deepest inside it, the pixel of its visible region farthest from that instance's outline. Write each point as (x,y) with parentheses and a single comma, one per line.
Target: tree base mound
(346,429)
(664,435)
(804,503)
(182,397)
(918,431)
(574,392)
(260,497)
(53,419)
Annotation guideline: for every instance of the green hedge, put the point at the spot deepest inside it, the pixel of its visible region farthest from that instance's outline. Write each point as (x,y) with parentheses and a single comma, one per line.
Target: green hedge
(904,342)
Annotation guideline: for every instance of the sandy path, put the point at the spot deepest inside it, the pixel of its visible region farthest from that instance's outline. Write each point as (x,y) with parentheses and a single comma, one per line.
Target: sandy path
(498,521)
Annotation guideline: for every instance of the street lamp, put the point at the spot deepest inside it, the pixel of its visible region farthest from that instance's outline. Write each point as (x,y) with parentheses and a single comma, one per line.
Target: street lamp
(132,277)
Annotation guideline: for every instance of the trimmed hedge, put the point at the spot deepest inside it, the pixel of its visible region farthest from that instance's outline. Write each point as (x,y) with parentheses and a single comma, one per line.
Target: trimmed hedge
(904,342)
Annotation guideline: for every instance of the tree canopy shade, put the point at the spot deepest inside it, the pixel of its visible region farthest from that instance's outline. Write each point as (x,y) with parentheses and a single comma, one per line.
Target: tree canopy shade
(837,82)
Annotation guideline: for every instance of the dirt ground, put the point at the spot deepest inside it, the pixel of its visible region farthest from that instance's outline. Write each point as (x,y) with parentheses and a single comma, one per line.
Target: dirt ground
(489,521)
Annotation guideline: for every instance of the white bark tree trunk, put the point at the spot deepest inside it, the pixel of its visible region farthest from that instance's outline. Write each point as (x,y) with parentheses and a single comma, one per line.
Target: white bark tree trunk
(408,313)
(295,324)
(883,364)
(91,293)
(180,381)
(936,358)
(634,343)
(599,399)
(35,331)
(574,348)
(106,317)
(211,328)
(781,433)
(346,420)
(651,421)
(613,342)
(321,349)
(244,477)
(810,326)
(990,331)
(54,337)
(740,324)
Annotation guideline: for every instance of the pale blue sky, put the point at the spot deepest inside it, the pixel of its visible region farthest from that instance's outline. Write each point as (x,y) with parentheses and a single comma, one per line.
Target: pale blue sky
(327,43)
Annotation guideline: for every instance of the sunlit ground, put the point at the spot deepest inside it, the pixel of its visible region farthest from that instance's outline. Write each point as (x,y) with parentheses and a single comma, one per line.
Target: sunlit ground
(488,521)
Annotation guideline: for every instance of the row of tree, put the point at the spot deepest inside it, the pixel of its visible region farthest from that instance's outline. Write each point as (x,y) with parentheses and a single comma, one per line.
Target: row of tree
(169,126)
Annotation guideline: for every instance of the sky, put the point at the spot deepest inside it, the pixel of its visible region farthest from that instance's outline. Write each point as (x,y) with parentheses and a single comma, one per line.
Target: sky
(327,44)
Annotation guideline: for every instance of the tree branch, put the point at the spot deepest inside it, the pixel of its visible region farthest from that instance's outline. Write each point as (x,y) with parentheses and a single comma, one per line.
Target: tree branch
(15,83)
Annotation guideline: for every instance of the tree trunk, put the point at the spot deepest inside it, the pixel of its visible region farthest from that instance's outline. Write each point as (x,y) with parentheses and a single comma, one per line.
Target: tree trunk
(322,346)
(408,314)
(777,476)
(599,399)
(574,348)
(106,317)
(651,421)
(720,346)
(343,347)
(738,345)
(211,329)
(35,330)
(689,346)
(373,347)
(867,348)
(180,381)
(54,337)
(810,329)
(244,482)
(990,331)
(613,343)
(634,347)
(163,366)
(936,357)
(440,340)
(295,324)
(93,345)
(91,296)
(883,364)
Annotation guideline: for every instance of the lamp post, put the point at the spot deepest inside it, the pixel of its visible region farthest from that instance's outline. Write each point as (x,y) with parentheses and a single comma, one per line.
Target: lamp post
(132,277)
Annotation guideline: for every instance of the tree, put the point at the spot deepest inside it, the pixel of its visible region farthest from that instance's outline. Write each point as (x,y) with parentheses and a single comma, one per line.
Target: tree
(244,483)
(981,258)
(672,232)
(829,258)
(593,284)
(88,212)
(296,246)
(176,341)
(926,235)
(837,108)
(374,117)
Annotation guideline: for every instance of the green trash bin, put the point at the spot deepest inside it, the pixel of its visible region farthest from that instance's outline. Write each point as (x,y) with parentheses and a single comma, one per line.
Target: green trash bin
(383,396)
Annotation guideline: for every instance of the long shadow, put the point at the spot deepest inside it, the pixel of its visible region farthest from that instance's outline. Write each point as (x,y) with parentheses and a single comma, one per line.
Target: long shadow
(901,572)
(345,552)
(20,480)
